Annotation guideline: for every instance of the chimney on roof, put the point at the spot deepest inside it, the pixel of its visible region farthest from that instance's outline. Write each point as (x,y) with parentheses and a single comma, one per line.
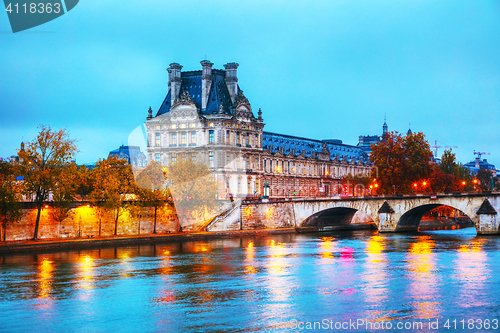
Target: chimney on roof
(232,79)
(477,163)
(174,81)
(206,82)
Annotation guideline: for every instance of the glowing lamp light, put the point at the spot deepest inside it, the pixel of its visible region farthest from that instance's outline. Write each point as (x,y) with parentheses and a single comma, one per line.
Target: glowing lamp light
(424,183)
(376,185)
(475,181)
(88,206)
(414,184)
(463,183)
(46,206)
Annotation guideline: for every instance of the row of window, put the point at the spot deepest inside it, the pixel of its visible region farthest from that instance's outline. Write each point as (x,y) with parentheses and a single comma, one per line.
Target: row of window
(183,137)
(270,166)
(308,168)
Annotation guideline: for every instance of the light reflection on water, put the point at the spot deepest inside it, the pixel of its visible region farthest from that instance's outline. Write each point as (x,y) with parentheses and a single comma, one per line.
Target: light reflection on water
(254,283)
(422,273)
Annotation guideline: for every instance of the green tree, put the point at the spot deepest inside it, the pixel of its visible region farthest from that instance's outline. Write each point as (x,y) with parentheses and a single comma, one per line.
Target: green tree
(448,163)
(113,181)
(400,161)
(40,162)
(10,208)
(193,189)
(484,177)
(151,188)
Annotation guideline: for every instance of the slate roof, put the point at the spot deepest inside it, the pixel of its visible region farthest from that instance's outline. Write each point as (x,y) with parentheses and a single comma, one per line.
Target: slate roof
(191,82)
(311,146)
(130,153)
(483,164)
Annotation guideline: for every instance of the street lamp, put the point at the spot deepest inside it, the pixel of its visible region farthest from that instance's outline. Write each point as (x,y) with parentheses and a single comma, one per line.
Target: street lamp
(266,190)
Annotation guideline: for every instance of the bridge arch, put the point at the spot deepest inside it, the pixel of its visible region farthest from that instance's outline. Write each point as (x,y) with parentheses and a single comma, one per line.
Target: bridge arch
(337,218)
(410,220)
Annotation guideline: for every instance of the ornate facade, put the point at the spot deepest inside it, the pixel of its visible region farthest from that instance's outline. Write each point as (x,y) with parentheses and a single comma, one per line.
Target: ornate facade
(206,116)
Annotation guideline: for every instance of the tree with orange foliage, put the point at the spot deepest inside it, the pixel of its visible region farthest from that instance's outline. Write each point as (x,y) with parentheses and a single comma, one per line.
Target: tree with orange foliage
(112,181)
(40,162)
(64,191)
(193,188)
(400,161)
(151,188)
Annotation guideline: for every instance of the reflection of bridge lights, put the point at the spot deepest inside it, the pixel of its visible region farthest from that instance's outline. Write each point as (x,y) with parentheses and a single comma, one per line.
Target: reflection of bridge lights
(346,252)
(327,247)
(250,244)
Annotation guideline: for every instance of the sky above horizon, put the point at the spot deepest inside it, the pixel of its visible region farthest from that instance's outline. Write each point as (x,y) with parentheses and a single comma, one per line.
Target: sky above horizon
(318,69)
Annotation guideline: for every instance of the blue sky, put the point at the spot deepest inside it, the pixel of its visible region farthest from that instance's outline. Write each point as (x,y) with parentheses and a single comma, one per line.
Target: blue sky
(318,69)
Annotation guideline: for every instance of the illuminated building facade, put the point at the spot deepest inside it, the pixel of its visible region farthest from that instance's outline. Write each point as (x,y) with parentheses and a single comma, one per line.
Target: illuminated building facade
(206,116)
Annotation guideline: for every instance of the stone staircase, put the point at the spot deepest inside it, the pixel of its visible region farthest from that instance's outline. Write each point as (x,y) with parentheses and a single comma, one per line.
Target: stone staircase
(228,220)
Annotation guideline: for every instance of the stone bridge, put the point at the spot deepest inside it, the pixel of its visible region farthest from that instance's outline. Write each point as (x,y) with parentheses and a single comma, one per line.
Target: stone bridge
(389,213)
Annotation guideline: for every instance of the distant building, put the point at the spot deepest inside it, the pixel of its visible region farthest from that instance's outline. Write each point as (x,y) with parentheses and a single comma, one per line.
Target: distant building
(366,141)
(132,154)
(206,116)
(478,164)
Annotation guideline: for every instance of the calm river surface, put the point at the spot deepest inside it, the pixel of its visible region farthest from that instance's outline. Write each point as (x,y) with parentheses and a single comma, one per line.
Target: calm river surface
(270,283)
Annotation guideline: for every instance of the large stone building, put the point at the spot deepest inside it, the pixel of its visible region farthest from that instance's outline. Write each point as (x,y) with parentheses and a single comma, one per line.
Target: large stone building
(206,116)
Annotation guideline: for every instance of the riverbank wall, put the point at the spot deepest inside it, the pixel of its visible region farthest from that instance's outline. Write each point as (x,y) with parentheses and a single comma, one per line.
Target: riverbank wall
(83,221)
(60,244)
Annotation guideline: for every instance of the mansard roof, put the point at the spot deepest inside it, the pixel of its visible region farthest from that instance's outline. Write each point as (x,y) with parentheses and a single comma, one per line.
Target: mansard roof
(312,147)
(217,96)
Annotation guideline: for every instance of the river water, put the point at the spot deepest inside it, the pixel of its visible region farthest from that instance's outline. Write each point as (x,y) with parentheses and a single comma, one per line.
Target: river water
(287,282)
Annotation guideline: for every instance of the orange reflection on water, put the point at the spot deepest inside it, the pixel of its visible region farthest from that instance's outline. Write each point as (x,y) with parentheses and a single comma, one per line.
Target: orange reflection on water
(278,282)
(201,247)
(86,272)
(166,263)
(250,262)
(375,277)
(471,269)
(327,247)
(45,276)
(277,251)
(421,270)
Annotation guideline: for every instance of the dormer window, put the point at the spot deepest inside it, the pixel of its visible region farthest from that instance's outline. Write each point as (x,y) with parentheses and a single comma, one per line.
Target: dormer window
(211,125)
